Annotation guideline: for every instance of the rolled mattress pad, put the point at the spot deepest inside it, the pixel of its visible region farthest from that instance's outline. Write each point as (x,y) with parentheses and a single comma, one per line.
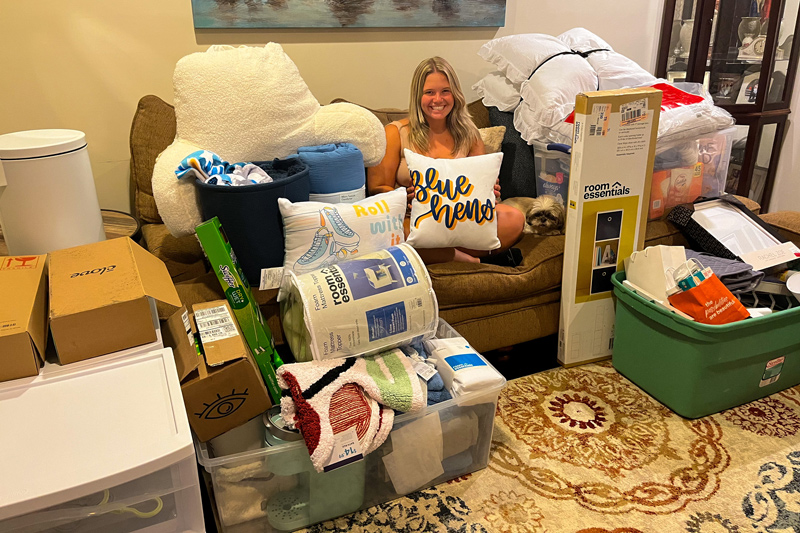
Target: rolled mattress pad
(375,302)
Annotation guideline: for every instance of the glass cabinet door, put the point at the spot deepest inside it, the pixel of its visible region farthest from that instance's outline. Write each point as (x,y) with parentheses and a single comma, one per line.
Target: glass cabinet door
(738,51)
(777,90)
(681,39)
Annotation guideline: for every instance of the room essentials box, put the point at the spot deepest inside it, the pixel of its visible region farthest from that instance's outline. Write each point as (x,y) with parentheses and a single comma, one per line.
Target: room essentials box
(101,445)
(99,298)
(237,290)
(275,488)
(699,369)
(221,385)
(23,315)
(611,169)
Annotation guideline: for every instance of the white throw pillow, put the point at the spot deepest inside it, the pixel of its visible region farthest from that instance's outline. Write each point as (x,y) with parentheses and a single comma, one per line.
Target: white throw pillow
(517,56)
(497,91)
(318,234)
(454,203)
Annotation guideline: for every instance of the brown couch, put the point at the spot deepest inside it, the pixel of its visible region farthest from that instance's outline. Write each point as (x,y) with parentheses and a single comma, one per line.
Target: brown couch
(491,306)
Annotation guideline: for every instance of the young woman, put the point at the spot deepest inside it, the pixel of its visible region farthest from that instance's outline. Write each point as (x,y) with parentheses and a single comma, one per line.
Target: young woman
(439,126)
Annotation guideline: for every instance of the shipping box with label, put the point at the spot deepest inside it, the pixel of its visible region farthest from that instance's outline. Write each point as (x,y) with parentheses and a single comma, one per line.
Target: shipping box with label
(237,290)
(225,388)
(23,315)
(610,175)
(179,334)
(99,298)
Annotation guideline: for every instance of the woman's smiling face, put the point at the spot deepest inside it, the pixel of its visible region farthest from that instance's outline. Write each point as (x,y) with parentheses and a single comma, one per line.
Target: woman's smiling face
(437,97)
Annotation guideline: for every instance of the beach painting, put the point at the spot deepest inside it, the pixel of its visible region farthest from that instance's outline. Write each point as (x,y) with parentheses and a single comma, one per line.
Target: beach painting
(348,13)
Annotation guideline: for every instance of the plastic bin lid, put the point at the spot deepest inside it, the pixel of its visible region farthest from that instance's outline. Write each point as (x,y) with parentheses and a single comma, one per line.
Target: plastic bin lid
(40,143)
(75,431)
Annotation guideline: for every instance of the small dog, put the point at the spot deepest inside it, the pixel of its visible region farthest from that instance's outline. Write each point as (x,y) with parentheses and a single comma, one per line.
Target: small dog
(544,215)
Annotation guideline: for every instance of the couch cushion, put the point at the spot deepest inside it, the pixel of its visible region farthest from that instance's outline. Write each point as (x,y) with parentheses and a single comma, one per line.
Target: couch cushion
(470,284)
(182,255)
(786,222)
(152,130)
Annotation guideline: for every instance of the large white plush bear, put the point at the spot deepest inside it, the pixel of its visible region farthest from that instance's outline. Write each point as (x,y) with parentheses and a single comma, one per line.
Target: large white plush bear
(248,104)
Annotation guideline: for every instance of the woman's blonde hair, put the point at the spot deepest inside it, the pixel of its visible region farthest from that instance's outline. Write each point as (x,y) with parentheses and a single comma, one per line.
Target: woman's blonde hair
(459,121)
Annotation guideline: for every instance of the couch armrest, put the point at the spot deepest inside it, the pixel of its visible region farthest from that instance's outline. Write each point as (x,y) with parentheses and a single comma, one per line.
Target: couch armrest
(786,222)
(182,255)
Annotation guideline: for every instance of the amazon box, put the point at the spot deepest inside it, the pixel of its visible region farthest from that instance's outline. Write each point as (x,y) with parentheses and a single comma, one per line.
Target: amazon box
(99,298)
(23,315)
(225,389)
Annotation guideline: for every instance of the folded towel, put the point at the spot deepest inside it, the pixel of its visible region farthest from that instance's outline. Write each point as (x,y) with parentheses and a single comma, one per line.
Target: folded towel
(333,168)
(312,401)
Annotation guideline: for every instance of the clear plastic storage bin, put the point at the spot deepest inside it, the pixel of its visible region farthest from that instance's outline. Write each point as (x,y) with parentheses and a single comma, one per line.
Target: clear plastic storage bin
(275,488)
(687,170)
(551,165)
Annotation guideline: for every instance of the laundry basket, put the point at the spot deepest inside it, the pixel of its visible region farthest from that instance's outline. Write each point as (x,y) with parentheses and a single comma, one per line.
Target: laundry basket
(250,213)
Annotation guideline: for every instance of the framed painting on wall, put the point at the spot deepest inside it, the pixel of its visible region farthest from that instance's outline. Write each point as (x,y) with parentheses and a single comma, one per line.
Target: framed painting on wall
(347,13)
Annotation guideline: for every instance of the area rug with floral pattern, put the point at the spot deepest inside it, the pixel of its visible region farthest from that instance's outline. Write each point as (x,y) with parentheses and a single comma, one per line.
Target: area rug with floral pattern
(583,450)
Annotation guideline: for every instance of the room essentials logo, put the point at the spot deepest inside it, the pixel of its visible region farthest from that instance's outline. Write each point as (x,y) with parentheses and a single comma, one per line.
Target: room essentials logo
(604,190)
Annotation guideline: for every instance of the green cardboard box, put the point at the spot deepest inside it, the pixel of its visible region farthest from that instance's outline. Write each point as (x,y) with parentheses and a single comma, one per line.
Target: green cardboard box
(258,335)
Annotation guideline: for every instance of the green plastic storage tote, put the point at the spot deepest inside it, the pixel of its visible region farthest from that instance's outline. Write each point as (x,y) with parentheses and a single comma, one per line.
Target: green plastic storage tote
(698,369)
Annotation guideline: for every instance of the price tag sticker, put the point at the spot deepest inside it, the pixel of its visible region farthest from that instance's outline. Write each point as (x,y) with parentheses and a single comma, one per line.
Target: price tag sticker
(270,278)
(598,122)
(346,450)
(424,371)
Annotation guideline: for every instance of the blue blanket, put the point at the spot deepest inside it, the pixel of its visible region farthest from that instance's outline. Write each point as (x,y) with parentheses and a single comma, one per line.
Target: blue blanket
(333,167)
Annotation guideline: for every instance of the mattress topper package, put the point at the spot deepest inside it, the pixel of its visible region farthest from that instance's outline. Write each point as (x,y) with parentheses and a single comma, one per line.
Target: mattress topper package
(372,303)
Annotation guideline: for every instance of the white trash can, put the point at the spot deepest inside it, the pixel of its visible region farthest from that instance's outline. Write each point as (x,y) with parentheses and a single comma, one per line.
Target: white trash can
(50,201)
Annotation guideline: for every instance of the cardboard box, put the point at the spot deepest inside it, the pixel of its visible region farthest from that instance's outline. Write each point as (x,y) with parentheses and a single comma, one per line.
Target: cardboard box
(248,315)
(179,334)
(99,298)
(225,389)
(23,315)
(611,171)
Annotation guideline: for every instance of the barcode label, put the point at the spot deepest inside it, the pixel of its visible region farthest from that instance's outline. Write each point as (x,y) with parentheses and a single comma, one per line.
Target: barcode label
(598,123)
(203,313)
(633,112)
(187,326)
(215,323)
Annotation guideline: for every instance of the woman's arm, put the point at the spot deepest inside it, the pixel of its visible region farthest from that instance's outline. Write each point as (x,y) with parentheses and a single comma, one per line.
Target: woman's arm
(383,176)
(478,148)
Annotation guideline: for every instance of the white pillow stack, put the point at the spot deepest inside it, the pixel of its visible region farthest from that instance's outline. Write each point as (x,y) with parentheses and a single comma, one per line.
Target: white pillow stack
(538,77)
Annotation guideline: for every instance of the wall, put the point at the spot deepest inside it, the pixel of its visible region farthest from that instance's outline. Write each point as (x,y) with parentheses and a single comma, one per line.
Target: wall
(786,191)
(83,64)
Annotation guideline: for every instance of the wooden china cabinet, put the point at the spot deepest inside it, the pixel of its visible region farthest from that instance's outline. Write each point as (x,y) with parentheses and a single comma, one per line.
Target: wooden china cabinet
(736,48)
